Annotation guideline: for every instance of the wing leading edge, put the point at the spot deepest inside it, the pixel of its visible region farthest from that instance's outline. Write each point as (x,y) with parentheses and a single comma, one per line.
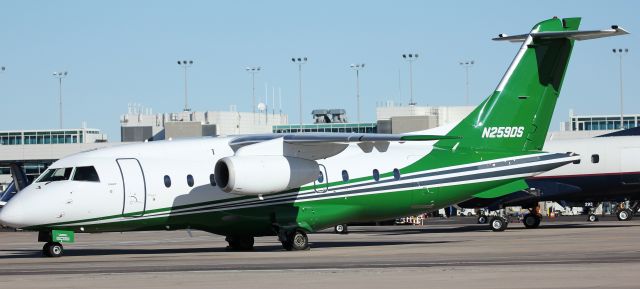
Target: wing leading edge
(337,138)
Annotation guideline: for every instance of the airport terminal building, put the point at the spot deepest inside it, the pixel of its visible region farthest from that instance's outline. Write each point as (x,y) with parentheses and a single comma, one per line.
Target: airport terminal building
(37,149)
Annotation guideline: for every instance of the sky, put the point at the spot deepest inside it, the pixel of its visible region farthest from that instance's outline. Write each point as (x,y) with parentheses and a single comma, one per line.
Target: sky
(122,52)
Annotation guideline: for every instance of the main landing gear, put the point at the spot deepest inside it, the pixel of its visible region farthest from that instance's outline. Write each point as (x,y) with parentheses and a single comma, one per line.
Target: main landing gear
(626,214)
(52,249)
(240,243)
(296,240)
(533,218)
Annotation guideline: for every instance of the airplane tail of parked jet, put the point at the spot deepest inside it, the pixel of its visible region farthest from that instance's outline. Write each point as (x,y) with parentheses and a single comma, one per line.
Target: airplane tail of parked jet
(516,116)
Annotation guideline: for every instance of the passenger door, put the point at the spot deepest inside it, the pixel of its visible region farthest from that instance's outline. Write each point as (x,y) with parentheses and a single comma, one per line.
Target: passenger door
(134,186)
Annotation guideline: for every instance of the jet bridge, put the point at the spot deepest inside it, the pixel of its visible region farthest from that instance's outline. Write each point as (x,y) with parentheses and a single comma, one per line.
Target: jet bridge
(20,181)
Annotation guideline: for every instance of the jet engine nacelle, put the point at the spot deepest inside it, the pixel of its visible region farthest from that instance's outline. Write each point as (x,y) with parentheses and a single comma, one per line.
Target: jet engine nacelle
(257,175)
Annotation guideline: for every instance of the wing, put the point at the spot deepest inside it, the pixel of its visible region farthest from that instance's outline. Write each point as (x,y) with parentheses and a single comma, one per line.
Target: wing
(319,145)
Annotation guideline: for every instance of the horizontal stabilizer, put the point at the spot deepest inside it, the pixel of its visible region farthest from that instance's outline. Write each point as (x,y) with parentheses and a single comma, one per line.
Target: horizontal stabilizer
(573,35)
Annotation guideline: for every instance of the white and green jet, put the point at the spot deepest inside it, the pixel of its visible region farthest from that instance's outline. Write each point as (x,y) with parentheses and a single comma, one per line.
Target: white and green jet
(288,185)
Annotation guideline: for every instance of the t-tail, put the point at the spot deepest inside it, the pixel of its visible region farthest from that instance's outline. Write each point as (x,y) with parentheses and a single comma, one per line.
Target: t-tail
(516,116)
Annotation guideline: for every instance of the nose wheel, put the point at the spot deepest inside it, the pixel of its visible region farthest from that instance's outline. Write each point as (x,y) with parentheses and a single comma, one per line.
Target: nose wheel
(52,249)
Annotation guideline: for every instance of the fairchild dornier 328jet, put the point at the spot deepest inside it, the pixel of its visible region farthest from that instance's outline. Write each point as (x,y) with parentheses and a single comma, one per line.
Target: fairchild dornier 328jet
(288,185)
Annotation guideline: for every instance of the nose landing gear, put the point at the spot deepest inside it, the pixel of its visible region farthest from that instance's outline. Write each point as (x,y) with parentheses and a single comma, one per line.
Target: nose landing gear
(52,249)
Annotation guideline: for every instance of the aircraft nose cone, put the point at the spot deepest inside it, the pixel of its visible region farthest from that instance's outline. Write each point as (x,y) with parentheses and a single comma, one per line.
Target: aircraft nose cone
(10,216)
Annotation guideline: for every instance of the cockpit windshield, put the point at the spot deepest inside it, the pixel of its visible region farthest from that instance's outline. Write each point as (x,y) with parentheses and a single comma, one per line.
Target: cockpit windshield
(88,174)
(57,174)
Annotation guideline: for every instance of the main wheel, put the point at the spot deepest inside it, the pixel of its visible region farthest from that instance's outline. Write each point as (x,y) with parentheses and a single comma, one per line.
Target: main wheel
(592,218)
(341,229)
(531,221)
(498,224)
(624,215)
(296,241)
(240,243)
(482,219)
(52,249)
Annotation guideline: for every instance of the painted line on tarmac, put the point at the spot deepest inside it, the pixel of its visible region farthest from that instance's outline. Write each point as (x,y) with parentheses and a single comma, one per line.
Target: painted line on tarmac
(311,267)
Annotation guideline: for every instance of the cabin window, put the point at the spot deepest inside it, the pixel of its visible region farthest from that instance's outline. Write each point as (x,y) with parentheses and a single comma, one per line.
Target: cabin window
(595,158)
(87,174)
(576,162)
(345,176)
(190,180)
(396,174)
(376,175)
(167,181)
(320,177)
(54,175)
(212,180)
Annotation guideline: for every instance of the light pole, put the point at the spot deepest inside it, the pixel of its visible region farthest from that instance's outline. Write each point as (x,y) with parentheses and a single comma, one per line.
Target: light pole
(185,64)
(620,52)
(300,61)
(253,70)
(357,68)
(60,75)
(467,64)
(411,57)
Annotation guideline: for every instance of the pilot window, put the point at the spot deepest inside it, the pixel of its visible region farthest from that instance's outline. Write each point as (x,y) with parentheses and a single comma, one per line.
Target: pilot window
(595,159)
(54,175)
(88,174)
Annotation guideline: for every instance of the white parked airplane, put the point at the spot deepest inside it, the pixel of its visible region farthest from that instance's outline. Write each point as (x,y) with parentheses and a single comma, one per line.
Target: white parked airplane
(291,184)
(608,170)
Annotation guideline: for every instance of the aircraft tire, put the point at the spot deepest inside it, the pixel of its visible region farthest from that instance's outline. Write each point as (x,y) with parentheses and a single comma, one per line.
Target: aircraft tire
(624,215)
(592,218)
(240,243)
(482,219)
(341,229)
(498,224)
(296,241)
(52,249)
(531,221)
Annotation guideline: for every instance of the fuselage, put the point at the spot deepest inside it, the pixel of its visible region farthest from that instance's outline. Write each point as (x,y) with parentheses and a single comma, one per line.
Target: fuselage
(170,185)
